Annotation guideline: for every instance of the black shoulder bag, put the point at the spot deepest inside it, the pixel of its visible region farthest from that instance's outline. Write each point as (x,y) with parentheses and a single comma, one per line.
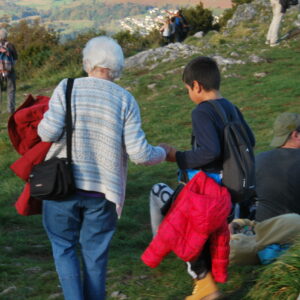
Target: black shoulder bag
(53,179)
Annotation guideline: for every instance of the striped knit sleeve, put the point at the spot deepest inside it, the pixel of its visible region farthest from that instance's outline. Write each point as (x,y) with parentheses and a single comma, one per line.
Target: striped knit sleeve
(137,147)
(52,125)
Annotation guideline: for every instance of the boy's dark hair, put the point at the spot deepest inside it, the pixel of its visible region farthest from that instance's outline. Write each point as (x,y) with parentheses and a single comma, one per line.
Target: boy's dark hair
(205,71)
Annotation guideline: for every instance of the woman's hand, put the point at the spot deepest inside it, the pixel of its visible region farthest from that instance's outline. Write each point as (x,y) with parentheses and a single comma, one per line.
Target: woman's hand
(171,152)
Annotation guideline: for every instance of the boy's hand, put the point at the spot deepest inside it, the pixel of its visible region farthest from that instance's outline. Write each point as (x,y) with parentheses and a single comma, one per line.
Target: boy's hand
(171,152)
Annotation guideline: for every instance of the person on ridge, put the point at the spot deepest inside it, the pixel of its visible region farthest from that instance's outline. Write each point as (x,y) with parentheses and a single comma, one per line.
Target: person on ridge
(8,60)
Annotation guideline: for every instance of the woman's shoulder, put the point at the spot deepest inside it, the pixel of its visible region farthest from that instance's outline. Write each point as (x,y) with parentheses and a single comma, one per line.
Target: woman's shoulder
(92,82)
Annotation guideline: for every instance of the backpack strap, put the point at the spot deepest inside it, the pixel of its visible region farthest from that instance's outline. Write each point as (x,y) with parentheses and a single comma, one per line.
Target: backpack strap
(222,113)
(234,117)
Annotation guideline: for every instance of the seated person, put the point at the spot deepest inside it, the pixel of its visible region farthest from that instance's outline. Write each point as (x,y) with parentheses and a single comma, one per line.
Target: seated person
(278,170)
(278,210)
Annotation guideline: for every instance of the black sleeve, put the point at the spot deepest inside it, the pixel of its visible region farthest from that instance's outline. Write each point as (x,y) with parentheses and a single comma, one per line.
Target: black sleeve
(207,139)
(13,51)
(284,5)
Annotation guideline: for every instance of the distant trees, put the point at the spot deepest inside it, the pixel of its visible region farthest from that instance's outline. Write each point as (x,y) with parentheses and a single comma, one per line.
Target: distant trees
(34,44)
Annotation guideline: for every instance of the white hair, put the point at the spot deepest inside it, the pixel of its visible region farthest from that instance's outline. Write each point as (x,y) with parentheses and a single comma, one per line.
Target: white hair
(3,34)
(103,52)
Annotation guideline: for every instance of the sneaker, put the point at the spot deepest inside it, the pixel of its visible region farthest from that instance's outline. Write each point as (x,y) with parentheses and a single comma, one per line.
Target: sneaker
(267,42)
(205,289)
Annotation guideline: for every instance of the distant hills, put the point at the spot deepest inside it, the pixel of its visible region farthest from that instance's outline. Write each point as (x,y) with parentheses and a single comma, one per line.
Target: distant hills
(68,17)
(207,3)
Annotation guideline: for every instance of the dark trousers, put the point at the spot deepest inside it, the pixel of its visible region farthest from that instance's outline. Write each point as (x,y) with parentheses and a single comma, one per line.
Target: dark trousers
(8,82)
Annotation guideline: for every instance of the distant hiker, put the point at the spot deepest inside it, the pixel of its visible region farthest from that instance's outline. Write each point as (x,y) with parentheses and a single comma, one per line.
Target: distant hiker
(181,26)
(278,170)
(166,31)
(279,8)
(106,132)
(173,29)
(8,59)
(202,80)
(185,25)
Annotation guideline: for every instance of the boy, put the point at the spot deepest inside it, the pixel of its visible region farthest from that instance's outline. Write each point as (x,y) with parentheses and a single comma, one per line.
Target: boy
(202,79)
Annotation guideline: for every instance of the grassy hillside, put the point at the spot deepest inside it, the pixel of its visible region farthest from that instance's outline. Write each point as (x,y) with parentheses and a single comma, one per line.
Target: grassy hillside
(26,267)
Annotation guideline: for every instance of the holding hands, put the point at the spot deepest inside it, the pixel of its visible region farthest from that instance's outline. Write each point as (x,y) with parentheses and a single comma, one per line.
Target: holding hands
(171,152)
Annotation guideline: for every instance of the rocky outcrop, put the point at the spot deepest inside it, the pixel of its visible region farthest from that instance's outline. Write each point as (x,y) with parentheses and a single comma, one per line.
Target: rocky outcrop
(258,11)
(151,58)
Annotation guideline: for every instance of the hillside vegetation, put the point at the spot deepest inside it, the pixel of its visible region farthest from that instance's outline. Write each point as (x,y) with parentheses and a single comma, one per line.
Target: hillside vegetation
(262,81)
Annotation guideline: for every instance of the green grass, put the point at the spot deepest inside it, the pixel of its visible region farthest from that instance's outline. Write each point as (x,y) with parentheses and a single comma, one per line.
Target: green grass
(25,256)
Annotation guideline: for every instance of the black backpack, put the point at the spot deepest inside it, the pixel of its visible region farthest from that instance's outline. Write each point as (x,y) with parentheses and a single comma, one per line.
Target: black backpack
(238,156)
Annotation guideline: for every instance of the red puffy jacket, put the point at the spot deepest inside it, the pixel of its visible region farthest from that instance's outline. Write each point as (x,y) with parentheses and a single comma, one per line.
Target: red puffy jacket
(199,213)
(22,130)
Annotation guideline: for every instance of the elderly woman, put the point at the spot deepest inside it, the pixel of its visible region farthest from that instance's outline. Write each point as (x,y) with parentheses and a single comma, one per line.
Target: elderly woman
(106,131)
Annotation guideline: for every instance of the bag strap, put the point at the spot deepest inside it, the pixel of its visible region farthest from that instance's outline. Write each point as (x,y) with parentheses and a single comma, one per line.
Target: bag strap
(222,113)
(234,117)
(69,125)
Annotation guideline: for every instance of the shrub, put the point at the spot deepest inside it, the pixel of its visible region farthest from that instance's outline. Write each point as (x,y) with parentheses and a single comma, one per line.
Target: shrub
(131,43)
(34,44)
(199,19)
(281,279)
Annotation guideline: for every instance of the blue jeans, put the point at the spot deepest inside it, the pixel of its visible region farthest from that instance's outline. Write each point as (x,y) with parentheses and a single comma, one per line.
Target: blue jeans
(86,221)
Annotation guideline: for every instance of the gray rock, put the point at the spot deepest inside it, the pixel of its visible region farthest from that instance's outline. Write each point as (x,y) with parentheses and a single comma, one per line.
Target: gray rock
(150,58)
(54,296)
(256,59)
(260,74)
(227,61)
(8,290)
(151,86)
(234,54)
(118,295)
(199,34)
(244,12)
(33,270)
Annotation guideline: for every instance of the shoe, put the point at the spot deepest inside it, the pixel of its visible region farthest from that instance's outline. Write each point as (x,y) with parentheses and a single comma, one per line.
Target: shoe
(274,44)
(267,42)
(205,289)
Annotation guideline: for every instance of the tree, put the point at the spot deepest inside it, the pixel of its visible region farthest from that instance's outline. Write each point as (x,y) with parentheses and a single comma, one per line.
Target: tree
(199,18)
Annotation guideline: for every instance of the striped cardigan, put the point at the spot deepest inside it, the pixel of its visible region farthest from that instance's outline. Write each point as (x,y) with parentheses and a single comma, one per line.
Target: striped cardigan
(106,131)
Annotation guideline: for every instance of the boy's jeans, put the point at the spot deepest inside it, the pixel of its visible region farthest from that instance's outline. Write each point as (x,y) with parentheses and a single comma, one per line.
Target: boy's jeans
(87,221)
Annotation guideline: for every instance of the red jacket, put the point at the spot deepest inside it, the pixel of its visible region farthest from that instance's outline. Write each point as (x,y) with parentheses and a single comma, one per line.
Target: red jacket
(22,130)
(199,213)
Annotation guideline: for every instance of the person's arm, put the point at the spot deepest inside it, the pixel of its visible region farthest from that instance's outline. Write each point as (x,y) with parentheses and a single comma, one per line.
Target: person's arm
(13,52)
(52,125)
(137,147)
(207,138)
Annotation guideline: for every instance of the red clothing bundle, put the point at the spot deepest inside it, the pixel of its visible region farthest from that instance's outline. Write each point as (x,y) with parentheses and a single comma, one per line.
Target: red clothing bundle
(22,130)
(199,213)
